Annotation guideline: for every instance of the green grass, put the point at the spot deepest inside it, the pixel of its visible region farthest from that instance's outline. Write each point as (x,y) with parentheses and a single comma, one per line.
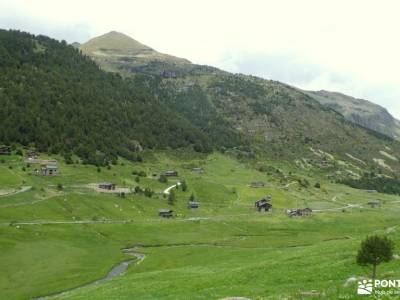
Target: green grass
(222,249)
(9,177)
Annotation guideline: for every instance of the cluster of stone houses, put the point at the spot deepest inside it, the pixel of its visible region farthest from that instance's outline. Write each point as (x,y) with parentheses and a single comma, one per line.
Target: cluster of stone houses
(265,205)
(45,168)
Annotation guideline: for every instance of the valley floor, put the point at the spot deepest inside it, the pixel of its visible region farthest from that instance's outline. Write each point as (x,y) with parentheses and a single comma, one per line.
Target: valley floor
(64,241)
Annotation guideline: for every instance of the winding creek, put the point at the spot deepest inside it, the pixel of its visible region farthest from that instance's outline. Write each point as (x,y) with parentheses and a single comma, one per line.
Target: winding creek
(117,270)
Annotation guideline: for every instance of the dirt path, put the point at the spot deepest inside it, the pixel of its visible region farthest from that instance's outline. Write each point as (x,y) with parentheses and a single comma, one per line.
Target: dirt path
(339,208)
(287,185)
(117,270)
(28,202)
(117,190)
(21,190)
(166,191)
(335,200)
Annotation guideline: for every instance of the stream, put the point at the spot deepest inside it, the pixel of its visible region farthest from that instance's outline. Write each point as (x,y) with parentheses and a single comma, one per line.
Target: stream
(117,270)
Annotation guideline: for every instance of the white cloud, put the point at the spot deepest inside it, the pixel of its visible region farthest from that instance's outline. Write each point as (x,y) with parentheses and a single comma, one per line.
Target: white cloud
(348,46)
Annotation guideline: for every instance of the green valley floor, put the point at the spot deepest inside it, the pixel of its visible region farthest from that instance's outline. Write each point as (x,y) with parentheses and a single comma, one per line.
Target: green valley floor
(60,234)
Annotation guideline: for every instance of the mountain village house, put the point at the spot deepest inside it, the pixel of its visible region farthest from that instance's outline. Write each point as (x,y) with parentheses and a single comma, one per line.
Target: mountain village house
(48,170)
(257,184)
(299,212)
(193,204)
(171,173)
(264,204)
(32,155)
(5,150)
(198,170)
(165,213)
(107,186)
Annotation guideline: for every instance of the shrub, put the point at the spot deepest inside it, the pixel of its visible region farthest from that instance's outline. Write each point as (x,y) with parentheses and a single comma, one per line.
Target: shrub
(163,178)
(148,192)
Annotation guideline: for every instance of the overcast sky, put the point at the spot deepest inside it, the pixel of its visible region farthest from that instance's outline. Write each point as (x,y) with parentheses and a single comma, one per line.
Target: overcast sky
(348,46)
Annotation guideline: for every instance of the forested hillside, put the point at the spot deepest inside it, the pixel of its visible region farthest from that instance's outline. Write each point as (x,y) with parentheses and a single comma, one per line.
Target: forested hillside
(60,101)
(57,100)
(250,114)
(273,118)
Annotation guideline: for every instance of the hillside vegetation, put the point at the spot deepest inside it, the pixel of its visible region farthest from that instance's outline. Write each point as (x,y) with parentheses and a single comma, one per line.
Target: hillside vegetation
(59,101)
(279,121)
(252,115)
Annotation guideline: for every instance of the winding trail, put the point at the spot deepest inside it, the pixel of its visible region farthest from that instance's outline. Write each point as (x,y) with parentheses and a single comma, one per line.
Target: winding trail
(345,206)
(117,270)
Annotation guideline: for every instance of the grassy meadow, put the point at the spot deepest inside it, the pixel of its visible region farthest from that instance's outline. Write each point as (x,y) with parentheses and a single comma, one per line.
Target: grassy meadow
(56,239)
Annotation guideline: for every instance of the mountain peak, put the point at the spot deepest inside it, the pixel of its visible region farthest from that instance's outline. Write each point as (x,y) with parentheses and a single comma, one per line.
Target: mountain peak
(115,50)
(117,35)
(115,42)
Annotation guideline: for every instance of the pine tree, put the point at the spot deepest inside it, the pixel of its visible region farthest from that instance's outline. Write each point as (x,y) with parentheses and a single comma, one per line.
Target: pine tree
(184,186)
(374,251)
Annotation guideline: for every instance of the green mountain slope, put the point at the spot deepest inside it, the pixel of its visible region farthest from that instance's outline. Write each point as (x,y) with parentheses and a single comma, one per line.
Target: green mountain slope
(282,121)
(273,118)
(359,111)
(57,100)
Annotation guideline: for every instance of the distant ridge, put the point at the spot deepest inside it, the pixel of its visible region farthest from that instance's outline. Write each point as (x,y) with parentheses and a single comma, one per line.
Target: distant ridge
(360,111)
